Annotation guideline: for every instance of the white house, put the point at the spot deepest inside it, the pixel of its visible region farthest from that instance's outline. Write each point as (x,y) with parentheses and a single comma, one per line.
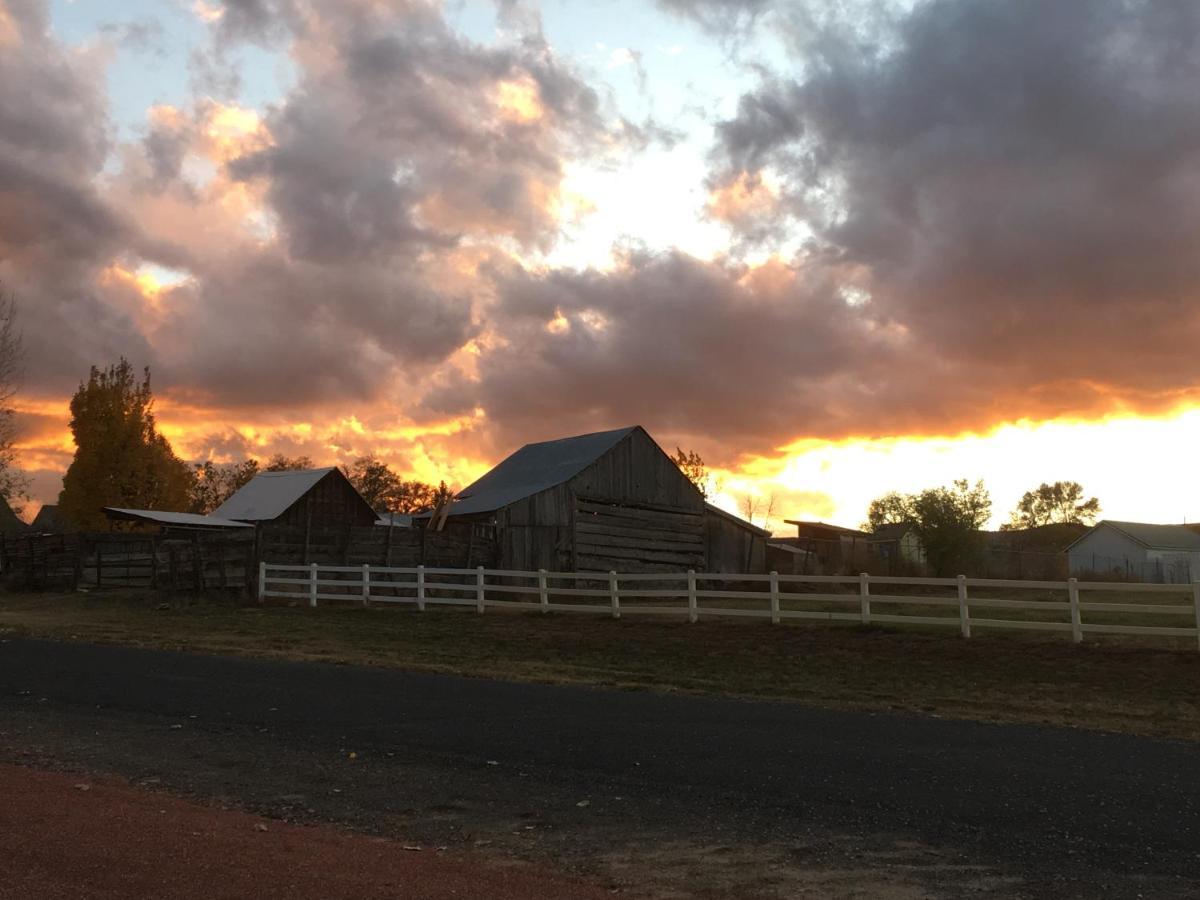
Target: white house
(1156,553)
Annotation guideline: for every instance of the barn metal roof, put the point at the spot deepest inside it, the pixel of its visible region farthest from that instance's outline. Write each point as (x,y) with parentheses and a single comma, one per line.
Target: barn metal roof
(268,494)
(1154,537)
(178,519)
(534,468)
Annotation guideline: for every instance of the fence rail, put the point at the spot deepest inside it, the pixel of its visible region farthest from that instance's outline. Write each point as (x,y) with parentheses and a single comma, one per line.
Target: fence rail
(774,596)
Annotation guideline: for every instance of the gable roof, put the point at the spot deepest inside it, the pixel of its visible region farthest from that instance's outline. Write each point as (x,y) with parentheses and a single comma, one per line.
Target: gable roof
(47,521)
(1153,537)
(533,469)
(269,494)
(177,519)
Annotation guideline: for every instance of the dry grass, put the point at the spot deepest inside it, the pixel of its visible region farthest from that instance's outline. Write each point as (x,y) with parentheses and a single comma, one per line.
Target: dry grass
(1120,684)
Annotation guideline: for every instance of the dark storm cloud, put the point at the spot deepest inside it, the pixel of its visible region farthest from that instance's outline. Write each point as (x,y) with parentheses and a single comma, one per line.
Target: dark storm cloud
(1017,184)
(56,229)
(679,345)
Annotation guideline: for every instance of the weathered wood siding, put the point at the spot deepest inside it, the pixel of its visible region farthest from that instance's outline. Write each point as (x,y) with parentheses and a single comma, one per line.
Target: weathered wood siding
(636,471)
(626,538)
(732,547)
(331,503)
(458,545)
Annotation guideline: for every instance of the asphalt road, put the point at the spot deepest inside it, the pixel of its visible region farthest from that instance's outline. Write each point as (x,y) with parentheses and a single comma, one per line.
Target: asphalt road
(1047,811)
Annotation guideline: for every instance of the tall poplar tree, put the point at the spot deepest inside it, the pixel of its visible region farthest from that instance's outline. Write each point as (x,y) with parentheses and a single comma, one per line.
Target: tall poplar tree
(120,458)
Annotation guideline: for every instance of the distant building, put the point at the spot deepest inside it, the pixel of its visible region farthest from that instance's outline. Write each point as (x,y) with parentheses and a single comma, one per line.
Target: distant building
(835,549)
(897,546)
(9,523)
(47,521)
(1154,553)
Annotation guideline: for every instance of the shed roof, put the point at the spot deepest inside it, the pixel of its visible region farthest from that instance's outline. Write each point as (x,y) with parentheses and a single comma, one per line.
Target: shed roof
(737,520)
(534,468)
(178,519)
(269,494)
(800,523)
(1153,537)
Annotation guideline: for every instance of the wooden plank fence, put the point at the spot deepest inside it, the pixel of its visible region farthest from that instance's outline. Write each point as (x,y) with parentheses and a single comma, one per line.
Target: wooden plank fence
(139,561)
(963,602)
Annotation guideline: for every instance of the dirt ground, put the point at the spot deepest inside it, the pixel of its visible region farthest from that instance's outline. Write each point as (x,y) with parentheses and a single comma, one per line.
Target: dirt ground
(72,836)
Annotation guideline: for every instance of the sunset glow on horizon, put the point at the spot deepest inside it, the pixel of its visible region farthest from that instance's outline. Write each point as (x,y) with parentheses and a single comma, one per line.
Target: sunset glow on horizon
(436,232)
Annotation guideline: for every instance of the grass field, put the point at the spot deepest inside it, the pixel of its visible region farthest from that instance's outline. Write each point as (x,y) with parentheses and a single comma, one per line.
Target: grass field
(1113,683)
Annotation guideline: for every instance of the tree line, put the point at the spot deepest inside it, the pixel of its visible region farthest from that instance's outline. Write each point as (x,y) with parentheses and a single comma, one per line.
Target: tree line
(121,459)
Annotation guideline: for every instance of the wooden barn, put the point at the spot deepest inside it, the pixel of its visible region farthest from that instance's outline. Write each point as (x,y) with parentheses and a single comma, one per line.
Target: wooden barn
(612,500)
(309,499)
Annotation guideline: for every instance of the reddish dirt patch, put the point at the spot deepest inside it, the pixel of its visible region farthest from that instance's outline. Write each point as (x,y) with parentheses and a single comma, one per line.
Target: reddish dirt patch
(72,836)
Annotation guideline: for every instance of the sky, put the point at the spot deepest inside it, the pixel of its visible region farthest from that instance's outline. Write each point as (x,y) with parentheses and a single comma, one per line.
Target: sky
(836,248)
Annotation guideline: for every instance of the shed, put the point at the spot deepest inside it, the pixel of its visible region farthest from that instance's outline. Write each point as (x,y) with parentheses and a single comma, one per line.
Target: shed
(897,544)
(10,524)
(837,549)
(1146,552)
(47,521)
(610,500)
(732,543)
(305,498)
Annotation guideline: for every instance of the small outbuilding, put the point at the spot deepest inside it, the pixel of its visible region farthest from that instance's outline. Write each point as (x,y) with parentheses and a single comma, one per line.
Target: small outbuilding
(306,498)
(47,521)
(1136,550)
(607,501)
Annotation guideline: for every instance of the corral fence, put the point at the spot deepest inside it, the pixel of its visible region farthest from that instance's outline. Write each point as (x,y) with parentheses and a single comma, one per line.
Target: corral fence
(103,560)
(965,604)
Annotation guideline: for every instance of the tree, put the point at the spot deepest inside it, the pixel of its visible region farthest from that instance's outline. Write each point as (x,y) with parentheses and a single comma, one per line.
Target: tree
(281,463)
(379,485)
(1048,504)
(693,468)
(752,506)
(388,492)
(214,484)
(893,508)
(947,521)
(120,458)
(13,483)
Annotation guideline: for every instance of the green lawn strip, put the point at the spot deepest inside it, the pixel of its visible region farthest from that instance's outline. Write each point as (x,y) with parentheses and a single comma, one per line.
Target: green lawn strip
(1122,684)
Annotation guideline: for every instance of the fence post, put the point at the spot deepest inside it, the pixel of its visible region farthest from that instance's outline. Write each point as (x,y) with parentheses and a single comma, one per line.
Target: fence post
(693,607)
(613,595)
(774,598)
(543,595)
(312,585)
(864,597)
(366,584)
(1196,605)
(479,589)
(964,613)
(420,588)
(262,580)
(1076,619)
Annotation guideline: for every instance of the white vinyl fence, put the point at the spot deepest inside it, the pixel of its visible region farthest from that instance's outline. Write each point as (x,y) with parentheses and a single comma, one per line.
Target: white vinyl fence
(1167,610)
